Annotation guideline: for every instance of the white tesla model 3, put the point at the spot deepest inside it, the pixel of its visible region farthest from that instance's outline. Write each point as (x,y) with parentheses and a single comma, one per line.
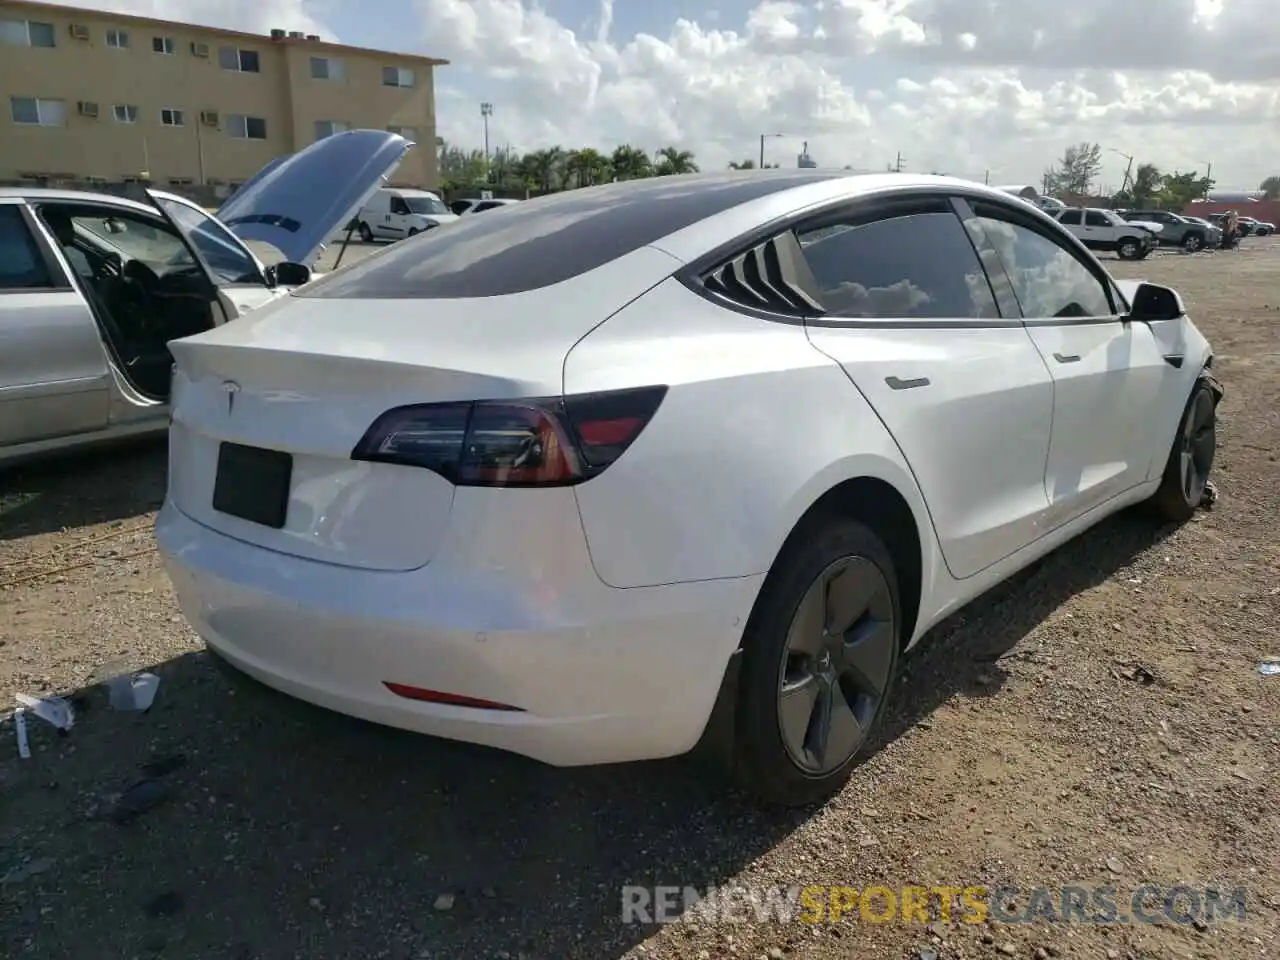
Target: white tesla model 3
(595,477)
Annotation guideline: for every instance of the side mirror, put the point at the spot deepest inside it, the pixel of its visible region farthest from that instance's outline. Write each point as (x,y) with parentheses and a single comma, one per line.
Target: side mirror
(113,225)
(1153,302)
(288,274)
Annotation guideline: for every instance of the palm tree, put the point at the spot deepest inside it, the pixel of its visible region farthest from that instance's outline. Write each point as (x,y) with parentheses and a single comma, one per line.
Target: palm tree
(673,161)
(588,166)
(544,167)
(631,163)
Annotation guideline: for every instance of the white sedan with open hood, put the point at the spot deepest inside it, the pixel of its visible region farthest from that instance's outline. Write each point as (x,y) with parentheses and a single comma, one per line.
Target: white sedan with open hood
(93,286)
(601,475)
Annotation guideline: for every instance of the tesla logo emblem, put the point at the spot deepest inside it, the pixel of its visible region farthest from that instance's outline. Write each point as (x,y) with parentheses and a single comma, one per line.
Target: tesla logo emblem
(230,388)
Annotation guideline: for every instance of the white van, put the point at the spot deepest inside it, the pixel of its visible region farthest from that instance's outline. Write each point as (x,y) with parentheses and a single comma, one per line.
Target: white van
(394,213)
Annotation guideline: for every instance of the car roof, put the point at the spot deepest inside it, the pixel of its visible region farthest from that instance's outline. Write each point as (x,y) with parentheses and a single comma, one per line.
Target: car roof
(687,216)
(490,200)
(49,195)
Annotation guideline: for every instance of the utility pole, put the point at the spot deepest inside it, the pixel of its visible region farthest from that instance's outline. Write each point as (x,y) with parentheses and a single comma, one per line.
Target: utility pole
(986,178)
(1128,171)
(763,138)
(897,165)
(486,111)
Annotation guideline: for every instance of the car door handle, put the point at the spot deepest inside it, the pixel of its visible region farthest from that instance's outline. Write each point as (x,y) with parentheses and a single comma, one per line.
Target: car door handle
(1067,357)
(1174,360)
(897,384)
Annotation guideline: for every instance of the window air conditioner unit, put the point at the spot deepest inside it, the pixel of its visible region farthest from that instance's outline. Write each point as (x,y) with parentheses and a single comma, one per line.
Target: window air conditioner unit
(209,118)
(200,50)
(87,108)
(80,31)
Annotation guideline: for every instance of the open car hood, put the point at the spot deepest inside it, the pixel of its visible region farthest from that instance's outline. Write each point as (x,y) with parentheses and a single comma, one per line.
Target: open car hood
(298,201)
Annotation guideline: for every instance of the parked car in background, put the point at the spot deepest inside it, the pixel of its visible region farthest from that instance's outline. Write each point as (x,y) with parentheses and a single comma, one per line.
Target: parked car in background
(1256,228)
(1106,231)
(1050,205)
(1175,230)
(472,205)
(1212,231)
(93,287)
(393,213)
(518,493)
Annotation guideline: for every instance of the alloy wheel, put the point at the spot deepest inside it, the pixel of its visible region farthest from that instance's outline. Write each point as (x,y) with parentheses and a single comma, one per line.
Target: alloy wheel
(1197,447)
(1128,249)
(836,665)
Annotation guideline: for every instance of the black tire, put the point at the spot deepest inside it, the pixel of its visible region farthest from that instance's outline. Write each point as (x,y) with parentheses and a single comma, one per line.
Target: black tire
(1179,495)
(1192,242)
(1129,248)
(366,235)
(765,765)
(414,231)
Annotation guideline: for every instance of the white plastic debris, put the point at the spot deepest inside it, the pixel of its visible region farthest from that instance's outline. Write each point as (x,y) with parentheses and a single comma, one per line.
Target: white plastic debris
(52,710)
(1269,668)
(20,726)
(133,692)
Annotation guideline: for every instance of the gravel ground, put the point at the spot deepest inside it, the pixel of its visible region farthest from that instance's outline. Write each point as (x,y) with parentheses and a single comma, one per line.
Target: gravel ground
(1098,721)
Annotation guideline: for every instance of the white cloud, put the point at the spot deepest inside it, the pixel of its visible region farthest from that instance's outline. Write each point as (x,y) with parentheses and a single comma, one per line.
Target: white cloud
(962,86)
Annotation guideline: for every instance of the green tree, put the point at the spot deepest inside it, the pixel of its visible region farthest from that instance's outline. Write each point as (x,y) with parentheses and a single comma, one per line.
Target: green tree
(673,160)
(1074,174)
(587,166)
(1271,187)
(630,163)
(1179,189)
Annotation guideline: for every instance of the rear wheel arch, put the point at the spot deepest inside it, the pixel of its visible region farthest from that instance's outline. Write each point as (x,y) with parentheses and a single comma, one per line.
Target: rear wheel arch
(880,506)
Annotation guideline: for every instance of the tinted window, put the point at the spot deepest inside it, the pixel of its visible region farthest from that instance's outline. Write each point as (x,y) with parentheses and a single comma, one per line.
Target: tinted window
(546,240)
(1070,217)
(1093,219)
(21,266)
(1047,278)
(921,265)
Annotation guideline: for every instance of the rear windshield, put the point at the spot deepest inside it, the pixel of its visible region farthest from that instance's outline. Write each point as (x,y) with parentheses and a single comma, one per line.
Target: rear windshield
(535,243)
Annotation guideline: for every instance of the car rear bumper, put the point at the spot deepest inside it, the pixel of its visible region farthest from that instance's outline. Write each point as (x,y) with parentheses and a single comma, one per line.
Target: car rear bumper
(598,674)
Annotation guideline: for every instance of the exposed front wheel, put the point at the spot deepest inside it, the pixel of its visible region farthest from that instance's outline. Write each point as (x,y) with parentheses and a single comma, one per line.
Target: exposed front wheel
(1192,242)
(818,663)
(1191,459)
(1130,249)
(366,234)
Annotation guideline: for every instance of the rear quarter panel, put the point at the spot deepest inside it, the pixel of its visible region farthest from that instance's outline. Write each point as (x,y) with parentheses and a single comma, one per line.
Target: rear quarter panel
(755,427)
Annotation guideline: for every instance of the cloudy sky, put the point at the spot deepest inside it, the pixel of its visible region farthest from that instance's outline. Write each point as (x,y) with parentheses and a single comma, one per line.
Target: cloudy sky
(957,86)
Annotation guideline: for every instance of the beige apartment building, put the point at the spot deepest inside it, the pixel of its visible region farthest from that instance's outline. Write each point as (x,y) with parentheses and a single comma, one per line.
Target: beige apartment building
(104,97)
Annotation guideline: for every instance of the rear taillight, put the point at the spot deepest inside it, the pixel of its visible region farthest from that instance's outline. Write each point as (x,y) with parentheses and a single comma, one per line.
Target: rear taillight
(513,443)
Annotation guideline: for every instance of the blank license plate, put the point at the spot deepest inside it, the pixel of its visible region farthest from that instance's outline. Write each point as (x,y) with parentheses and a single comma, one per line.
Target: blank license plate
(253,484)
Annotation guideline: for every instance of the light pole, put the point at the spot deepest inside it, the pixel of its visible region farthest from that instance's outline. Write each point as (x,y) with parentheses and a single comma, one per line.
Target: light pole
(486,111)
(1208,173)
(763,138)
(1127,171)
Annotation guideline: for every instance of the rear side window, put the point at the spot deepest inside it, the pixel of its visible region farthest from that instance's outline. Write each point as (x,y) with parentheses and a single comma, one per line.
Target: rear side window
(1093,219)
(21,266)
(921,265)
(547,240)
(1070,217)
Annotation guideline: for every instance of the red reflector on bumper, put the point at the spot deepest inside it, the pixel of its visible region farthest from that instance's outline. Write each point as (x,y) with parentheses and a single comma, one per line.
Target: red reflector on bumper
(439,696)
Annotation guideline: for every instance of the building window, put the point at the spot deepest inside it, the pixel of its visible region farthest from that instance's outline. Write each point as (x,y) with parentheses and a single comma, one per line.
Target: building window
(409,133)
(246,128)
(242,61)
(170,117)
(118,39)
(37,112)
(163,45)
(327,128)
(397,77)
(26,33)
(326,68)
(125,113)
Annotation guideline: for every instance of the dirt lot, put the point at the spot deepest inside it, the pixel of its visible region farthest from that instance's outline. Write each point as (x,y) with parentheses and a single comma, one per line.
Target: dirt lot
(1101,721)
